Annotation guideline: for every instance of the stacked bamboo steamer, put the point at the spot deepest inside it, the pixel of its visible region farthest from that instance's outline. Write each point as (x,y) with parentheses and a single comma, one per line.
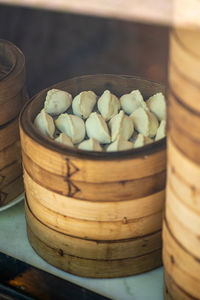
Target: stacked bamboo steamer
(89,213)
(181,229)
(12,96)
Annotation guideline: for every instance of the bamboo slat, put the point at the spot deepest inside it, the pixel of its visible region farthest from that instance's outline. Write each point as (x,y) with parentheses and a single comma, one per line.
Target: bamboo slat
(97,230)
(187,238)
(185,191)
(95,268)
(175,292)
(183,165)
(183,258)
(93,249)
(190,93)
(93,210)
(191,284)
(9,134)
(107,191)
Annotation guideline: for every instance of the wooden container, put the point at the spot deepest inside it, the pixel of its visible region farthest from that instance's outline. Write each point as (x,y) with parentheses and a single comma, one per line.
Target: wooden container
(102,202)
(12,96)
(181,228)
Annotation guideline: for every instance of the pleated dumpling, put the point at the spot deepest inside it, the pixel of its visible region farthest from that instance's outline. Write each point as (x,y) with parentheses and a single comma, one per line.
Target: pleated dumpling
(57,102)
(64,139)
(120,144)
(72,126)
(161,132)
(157,105)
(145,122)
(83,104)
(122,125)
(97,128)
(108,105)
(90,145)
(141,141)
(130,102)
(45,123)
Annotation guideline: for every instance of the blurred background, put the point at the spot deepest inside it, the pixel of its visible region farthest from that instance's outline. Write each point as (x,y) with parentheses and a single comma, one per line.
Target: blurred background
(59,46)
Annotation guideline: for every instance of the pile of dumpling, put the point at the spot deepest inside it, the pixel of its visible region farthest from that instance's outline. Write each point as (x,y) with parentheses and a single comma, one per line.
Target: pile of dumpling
(104,123)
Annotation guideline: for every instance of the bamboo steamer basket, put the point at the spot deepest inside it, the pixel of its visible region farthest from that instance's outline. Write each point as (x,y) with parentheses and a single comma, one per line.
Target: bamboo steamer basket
(173,291)
(90,199)
(13,95)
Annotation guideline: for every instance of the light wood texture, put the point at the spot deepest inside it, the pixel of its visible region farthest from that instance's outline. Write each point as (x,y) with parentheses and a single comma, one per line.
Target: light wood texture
(191,284)
(95,268)
(183,259)
(174,292)
(107,191)
(92,249)
(188,194)
(187,14)
(187,238)
(93,210)
(183,212)
(190,93)
(183,57)
(123,229)
(183,165)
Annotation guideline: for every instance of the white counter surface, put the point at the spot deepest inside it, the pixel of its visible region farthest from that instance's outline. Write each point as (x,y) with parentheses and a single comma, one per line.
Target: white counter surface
(14,242)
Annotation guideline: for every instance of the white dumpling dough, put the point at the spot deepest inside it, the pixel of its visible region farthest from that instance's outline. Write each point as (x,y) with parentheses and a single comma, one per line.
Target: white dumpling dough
(145,122)
(108,105)
(97,128)
(130,102)
(83,104)
(90,145)
(72,126)
(64,139)
(120,144)
(161,132)
(45,123)
(141,140)
(122,125)
(157,106)
(57,102)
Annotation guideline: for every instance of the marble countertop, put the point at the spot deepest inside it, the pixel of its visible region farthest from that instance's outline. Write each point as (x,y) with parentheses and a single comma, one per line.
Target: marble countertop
(14,242)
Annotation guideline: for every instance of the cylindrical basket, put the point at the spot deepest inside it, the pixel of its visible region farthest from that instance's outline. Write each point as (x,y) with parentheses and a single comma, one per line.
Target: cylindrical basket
(181,227)
(93,214)
(13,95)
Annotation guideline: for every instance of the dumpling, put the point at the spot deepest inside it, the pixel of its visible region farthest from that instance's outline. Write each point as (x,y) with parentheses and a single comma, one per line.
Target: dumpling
(90,145)
(97,128)
(72,126)
(122,125)
(130,102)
(57,102)
(120,144)
(145,122)
(108,105)
(64,139)
(161,132)
(141,140)
(83,104)
(45,123)
(157,106)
